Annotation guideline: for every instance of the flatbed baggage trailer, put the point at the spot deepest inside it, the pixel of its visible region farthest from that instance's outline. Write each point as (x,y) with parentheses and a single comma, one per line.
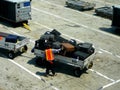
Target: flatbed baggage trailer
(13,43)
(106,12)
(80,5)
(80,55)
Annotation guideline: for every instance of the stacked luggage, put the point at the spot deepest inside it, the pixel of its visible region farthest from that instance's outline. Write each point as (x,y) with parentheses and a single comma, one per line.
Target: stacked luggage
(70,48)
(106,12)
(80,5)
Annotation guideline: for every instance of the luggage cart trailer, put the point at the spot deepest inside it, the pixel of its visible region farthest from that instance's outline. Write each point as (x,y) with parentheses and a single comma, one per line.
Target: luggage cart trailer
(15,10)
(13,43)
(80,55)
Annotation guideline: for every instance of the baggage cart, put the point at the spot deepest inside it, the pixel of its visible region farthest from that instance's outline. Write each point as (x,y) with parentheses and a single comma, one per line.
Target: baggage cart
(70,54)
(106,12)
(80,5)
(13,44)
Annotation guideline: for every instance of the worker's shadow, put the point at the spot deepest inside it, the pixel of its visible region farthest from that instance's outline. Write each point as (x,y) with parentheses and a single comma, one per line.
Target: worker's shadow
(111,30)
(33,62)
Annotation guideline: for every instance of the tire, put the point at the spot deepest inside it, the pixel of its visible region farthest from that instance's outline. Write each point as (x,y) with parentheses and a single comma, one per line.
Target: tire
(40,61)
(24,49)
(89,66)
(92,50)
(77,72)
(11,55)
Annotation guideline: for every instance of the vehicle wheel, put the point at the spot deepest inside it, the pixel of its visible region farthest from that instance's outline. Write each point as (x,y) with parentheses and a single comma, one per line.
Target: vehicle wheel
(91,50)
(40,61)
(89,66)
(77,72)
(11,55)
(24,49)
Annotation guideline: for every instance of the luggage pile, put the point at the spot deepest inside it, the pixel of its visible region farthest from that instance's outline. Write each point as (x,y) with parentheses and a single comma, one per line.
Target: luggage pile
(80,5)
(70,48)
(106,12)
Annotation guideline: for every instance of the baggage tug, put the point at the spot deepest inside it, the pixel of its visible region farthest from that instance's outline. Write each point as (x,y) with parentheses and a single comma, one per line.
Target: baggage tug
(15,11)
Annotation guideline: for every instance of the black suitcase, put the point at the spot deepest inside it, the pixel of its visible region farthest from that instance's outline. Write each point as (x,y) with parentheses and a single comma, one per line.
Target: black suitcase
(84,47)
(56,45)
(49,37)
(11,38)
(55,32)
(80,55)
(61,39)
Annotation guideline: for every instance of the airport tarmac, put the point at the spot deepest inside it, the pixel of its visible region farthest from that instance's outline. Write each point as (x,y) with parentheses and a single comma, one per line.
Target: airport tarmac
(23,74)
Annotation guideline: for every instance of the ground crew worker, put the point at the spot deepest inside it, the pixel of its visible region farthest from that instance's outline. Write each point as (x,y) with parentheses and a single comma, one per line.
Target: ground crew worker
(49,55)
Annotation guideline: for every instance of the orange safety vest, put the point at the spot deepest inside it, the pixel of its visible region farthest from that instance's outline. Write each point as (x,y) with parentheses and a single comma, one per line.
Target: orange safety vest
(49,54)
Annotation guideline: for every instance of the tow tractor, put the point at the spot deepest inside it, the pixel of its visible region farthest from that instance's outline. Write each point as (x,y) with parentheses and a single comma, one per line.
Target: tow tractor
(13,44)
(78,55)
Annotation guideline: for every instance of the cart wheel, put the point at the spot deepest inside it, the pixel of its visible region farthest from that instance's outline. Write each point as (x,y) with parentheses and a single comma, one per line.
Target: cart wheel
(91,50)
(24,49)
(89,66)
(77,72)
(11,55)
(40,61)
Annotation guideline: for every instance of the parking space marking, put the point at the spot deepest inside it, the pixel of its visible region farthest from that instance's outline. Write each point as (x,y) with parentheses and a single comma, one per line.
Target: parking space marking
(110,84)
(31,73)
(102,75)
(106,51)
(68,20)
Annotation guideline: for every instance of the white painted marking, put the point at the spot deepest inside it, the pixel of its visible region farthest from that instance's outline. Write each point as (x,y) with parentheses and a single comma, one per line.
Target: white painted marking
(25,69)
(118,56)
(106,51)
(110,84)
(101,75)
(31,73)
(15,33)
(100,52)
(68,20)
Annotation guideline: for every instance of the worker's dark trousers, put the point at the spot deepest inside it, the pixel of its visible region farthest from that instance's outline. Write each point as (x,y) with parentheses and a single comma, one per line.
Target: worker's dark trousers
(52,70)
(49,67)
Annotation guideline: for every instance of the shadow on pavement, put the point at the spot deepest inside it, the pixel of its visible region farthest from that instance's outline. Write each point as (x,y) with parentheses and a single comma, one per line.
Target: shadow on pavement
(10,24)
(111,30)
(59,68)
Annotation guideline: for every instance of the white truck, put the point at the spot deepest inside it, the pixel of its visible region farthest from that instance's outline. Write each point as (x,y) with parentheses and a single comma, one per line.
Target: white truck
(80,55)
(13,44)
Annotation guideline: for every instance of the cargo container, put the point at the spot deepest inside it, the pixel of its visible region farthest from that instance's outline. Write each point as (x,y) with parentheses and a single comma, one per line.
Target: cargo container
(116,16)
(15,10)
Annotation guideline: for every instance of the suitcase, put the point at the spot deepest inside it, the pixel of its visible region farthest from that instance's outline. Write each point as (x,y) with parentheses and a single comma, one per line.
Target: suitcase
(11,38)
(56,45)
(84,47)
(68,47)
(61,39)
(49,37)
(55,32)
(80,55)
